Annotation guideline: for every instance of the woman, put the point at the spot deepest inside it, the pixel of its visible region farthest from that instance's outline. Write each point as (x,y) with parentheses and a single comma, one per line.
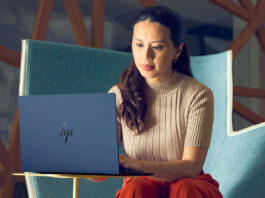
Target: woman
(165,117)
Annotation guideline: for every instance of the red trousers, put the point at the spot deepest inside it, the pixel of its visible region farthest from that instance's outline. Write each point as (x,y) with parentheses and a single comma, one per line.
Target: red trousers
(204,186)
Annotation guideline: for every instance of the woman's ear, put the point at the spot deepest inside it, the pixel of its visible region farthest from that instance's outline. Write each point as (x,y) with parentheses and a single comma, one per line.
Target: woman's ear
(178,51)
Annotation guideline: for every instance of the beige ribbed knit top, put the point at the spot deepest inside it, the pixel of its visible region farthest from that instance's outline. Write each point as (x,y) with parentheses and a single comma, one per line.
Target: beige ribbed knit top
(179,114)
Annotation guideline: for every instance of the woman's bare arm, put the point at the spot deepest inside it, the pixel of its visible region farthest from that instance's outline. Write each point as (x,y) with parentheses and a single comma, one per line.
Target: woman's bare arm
(190,165)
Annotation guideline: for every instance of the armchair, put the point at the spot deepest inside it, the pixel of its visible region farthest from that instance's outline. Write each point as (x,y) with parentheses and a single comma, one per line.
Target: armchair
(235,159)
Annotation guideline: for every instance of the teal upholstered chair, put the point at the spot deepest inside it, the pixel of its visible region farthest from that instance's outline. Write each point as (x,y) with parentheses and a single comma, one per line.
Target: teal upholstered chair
(235,159)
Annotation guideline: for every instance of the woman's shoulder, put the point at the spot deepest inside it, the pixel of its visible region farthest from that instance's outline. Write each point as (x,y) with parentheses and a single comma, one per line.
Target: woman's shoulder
(196,95)
(116,90)
(194,87)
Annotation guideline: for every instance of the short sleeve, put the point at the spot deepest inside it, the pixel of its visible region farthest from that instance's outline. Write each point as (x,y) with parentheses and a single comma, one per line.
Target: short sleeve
(115,89)
(200,119)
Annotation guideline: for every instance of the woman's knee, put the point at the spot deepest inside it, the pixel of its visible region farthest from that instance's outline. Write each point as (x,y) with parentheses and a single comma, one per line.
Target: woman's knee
(185,188)
(138,188)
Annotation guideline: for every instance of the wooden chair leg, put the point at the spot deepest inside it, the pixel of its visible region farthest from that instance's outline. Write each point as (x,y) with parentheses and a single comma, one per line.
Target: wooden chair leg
(8,187)
(13,161)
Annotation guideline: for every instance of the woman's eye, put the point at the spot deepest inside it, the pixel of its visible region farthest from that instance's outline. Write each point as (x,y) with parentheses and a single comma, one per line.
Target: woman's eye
(139,45)
(158,47)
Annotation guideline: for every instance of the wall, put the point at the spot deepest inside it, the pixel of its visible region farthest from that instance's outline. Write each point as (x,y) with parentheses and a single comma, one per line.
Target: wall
(248,71)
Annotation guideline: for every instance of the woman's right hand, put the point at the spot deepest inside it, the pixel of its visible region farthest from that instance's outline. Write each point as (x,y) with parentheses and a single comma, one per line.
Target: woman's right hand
(97,179)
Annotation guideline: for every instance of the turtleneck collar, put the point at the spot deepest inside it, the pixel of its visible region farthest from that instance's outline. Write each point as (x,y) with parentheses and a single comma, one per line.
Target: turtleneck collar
(167,86)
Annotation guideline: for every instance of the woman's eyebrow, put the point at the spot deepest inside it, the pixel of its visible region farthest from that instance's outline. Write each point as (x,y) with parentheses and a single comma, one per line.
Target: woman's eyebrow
(138,39)
(157,41)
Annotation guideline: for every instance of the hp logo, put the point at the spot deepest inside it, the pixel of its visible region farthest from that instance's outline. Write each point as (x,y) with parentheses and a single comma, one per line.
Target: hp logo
(66,132)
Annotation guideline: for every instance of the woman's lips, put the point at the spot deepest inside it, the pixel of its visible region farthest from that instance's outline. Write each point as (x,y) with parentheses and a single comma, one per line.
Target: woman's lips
(147,67)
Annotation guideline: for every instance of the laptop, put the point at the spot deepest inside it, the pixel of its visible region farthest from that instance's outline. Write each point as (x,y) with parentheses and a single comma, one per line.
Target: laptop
(70,134)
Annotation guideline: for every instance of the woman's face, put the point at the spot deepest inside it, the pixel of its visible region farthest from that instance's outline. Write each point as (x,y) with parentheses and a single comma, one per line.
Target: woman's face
(153,51)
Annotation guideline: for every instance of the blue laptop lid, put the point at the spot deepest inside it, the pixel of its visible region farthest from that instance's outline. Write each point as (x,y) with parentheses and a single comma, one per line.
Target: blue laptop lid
(73,133)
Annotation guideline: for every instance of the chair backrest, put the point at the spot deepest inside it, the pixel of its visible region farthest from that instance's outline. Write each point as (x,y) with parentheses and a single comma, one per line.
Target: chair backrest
(52,68)
(235,158)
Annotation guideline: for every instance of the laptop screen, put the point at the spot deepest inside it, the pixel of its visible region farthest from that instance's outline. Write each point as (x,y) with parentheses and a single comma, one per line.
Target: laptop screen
(71,133)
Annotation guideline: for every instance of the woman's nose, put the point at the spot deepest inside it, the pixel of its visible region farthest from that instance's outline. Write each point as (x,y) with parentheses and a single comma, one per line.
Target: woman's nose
(148,53)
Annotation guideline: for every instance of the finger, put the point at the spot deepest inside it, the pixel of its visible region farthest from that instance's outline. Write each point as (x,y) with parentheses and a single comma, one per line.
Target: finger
(126,165)
(122,156)
(122,160)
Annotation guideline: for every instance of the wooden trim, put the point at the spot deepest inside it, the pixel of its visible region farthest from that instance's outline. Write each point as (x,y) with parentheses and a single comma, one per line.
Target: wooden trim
(249,92)
(15,163)
(42,20)
(19,179)
(17,168)
(254,15)
(9,56)
(233,8)
(2,167)
(98,18)
(78,24)
(247,4)
(13,150)
(8,187)
(147,3)
(260,34)
(260,7)
(18,162)
(243,38)
(3,174)
(14,134)
(4,156)
(247,113)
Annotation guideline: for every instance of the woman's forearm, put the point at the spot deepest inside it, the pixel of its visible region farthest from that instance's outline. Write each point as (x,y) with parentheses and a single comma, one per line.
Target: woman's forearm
(189,166)
(169,171)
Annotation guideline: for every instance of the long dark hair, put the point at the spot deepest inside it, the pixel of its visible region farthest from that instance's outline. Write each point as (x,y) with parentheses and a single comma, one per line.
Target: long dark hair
(132,84)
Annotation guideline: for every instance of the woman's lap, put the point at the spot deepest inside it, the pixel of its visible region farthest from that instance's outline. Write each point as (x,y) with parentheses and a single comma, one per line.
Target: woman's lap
(203,186)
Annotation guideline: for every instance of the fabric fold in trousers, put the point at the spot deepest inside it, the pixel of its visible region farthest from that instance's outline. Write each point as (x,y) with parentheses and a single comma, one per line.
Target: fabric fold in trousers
(204,186)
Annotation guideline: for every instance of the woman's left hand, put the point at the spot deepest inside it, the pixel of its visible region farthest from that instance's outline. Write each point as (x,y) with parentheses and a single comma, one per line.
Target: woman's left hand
(127,162)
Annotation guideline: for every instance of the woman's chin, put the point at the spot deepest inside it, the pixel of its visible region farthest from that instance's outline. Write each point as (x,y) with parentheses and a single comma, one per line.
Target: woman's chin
(147,74)
(148,77)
